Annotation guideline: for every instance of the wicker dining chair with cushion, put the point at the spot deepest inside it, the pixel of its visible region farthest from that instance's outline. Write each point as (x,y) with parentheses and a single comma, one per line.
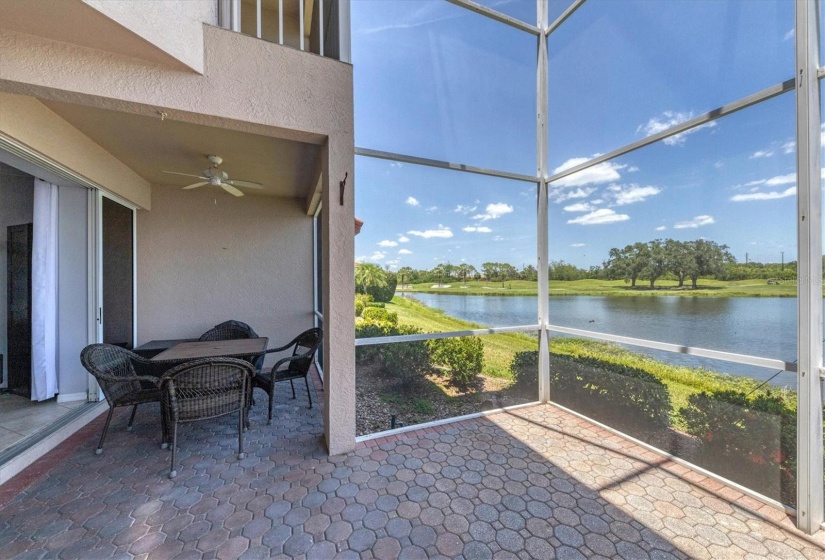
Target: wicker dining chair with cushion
(304,346)
(203,389)
(114,368)
(234,330)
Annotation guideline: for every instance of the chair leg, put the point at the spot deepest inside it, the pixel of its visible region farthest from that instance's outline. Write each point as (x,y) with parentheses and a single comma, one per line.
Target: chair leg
(131,418)
(164,427)
(241,454)
(271,401)
(99,449)
(309,394)
(293,387)
(173,473)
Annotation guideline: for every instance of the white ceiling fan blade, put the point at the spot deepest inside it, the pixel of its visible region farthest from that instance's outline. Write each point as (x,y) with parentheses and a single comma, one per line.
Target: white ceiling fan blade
(196,185)
(185,174)
(247,184)
(231,190)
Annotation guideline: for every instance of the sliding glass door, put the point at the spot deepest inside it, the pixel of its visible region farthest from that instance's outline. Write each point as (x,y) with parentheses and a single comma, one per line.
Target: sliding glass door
(116,272)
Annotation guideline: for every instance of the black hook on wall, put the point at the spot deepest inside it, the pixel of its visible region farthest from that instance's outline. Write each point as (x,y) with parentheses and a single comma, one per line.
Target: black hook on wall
(342,185)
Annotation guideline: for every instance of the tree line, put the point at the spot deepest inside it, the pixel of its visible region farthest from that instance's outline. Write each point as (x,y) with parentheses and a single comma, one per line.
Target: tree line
(652,261)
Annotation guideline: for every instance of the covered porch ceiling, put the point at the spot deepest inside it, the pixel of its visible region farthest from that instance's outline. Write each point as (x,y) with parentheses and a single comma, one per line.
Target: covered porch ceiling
(151,145)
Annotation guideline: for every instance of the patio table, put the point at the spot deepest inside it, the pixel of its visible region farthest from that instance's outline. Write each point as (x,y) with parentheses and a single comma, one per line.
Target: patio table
(155,347)
(236,348)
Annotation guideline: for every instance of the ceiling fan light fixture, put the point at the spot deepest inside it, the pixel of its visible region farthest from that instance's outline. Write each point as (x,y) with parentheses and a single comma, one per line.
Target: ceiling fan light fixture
(218,178)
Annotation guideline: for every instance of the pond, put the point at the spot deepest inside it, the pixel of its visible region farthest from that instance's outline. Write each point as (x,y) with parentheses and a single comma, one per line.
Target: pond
(764,327)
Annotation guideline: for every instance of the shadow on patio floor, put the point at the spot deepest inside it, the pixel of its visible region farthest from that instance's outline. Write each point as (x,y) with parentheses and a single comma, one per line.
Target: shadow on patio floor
(537,483)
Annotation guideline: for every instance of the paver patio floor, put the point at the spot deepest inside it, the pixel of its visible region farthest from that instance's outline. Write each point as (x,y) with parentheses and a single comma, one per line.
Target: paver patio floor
(533,483)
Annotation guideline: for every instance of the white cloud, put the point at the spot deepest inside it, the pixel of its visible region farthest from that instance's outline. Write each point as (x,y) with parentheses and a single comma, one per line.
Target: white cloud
(601,216)
(462,209)
(412,202)
(387,243)
(670,119)
(789,147)
(632,169)
(443,232)
(403,239)
(773,195)
(629,194)
(696,222)
(498,238)
(579,207)
(600,173)
(561,195)
(432,209)
(774,181)
(377,256)
(494,211)
(405,252)
(661,228)
(789,35)
(578,244)
(478,229)
(761,154)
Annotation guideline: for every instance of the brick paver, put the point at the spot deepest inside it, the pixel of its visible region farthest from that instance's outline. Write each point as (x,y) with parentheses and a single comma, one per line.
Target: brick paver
(533,483)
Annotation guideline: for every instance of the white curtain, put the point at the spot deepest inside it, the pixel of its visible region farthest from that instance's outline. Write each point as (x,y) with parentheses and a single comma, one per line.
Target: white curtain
(44,291)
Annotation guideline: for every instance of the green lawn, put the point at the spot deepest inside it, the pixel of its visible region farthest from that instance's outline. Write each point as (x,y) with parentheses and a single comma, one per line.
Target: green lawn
(706,288)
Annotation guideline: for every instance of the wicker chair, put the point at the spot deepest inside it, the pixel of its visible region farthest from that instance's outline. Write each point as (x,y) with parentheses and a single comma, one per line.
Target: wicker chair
(114,369)
(203,389)
(234,330)
(304,346)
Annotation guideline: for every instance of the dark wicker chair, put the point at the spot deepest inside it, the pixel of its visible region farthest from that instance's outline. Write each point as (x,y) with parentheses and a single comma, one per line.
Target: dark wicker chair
(304,346)
(115,370)
(234,330)
(203,389)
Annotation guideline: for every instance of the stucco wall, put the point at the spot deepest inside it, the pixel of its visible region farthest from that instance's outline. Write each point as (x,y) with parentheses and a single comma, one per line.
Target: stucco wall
(174,26)
(16,202)
(31,123)
(276,91)
(205,257)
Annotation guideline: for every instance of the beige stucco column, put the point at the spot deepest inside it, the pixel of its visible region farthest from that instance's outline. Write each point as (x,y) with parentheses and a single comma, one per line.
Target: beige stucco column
(338,288)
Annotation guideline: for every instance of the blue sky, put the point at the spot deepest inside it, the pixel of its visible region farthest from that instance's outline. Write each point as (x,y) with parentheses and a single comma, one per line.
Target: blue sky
(436,81)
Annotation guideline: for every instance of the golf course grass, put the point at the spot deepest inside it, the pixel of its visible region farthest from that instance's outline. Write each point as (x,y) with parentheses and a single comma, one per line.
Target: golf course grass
(705,288)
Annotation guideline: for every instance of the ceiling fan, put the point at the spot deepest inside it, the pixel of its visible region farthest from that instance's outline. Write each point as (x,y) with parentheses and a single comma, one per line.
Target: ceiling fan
(217,178)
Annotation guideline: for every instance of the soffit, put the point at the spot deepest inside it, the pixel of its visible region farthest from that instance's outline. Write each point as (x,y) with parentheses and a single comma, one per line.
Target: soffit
(149,146)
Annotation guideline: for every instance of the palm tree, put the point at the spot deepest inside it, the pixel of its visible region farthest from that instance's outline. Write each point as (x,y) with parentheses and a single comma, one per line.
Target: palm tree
(369,276)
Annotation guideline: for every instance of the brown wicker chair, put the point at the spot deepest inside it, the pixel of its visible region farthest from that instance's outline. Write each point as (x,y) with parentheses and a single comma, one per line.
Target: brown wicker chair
(234,330)
(203,389)
(304,346)
(114,369)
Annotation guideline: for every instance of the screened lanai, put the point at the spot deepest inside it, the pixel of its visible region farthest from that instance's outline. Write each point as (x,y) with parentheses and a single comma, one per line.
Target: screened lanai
(613,207)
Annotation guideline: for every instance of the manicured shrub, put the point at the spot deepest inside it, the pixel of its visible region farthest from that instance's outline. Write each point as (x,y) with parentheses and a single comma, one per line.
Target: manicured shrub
(404,362)
(525,370)
(386,292)
(463,357)
(625,398)
(748,439)
(380,304)
(364,298)
(379,315)
(359,307)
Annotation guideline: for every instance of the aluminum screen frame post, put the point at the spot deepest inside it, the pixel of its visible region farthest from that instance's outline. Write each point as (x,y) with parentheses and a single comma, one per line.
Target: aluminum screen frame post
(542,241)
(810,491)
